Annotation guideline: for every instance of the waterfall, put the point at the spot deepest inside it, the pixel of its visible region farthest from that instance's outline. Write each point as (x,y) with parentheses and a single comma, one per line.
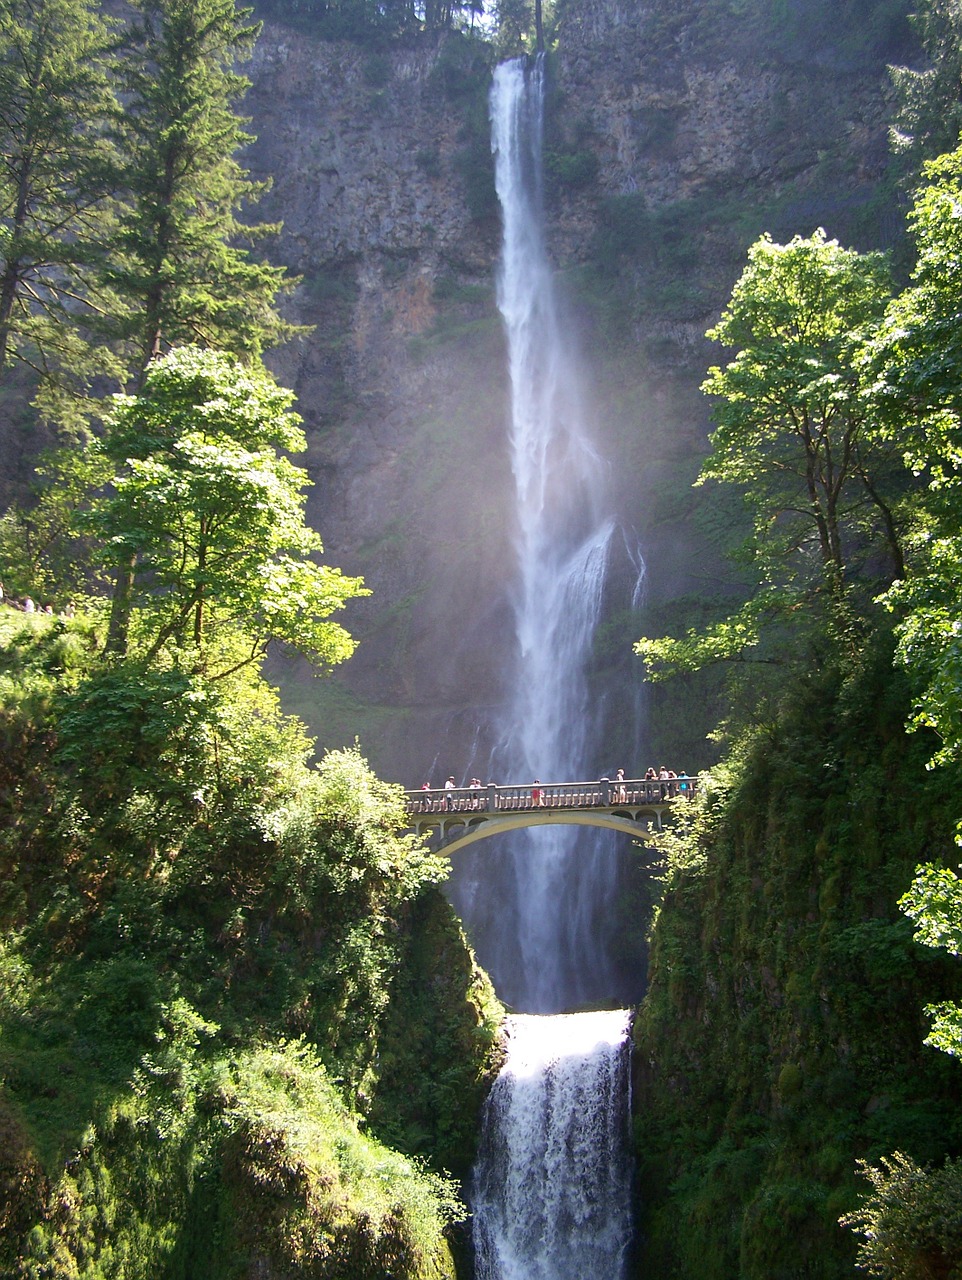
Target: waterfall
(563,534)
(551,1198)
(539,906)
(551,1191)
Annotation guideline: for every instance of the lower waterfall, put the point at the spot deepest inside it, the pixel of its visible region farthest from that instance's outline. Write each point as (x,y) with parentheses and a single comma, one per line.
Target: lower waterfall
(552,1186)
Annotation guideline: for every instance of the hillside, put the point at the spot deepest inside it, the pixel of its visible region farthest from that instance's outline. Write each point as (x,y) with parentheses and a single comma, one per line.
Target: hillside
(781,1038)
(231,995)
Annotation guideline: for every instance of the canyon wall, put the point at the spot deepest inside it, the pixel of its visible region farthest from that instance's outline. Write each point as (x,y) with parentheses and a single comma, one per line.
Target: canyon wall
(677,133)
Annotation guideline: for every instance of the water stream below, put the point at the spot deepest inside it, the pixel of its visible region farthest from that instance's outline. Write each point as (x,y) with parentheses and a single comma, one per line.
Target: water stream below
(552,1195)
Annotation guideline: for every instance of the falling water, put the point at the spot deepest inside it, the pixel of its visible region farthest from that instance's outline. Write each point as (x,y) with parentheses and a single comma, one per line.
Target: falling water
(551,1197)
(552,1191)
(545,940)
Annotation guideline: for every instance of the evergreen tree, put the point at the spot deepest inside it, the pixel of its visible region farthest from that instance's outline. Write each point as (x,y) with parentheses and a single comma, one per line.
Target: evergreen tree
(178,268)
(55,103)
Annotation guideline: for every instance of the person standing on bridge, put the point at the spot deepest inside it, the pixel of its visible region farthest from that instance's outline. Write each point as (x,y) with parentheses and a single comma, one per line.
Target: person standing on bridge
(448,788)
(620,794)
(537,795)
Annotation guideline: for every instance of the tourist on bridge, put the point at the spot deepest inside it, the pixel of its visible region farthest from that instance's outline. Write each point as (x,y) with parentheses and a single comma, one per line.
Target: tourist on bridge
(537,795)
(620,793)
(448,786)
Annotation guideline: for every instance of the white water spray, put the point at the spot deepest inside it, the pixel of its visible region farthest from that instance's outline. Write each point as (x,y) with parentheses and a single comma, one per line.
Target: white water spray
(552,1191)
(563,533)
(548,939)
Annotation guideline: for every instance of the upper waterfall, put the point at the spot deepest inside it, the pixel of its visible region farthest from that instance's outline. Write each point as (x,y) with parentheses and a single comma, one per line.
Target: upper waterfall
(546,942)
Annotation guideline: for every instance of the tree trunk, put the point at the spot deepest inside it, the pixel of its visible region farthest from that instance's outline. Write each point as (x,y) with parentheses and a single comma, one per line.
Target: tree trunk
(199,606)
(8,293)
(13,265)
(120,607)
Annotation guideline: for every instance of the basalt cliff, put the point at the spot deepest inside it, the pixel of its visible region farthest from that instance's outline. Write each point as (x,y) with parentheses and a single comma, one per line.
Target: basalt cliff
(677,133)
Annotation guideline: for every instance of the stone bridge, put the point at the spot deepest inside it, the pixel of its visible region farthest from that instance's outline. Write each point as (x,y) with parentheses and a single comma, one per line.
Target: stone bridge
(462,815)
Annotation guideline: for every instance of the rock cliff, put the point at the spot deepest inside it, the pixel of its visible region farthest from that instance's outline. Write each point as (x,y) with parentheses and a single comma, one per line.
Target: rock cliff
(676,134)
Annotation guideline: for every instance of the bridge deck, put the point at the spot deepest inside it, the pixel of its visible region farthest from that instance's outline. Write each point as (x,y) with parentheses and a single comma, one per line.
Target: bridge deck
(435,807)
(461,815)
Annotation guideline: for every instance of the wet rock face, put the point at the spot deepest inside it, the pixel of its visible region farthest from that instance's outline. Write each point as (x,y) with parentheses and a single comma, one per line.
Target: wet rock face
(703,128)
(683,103)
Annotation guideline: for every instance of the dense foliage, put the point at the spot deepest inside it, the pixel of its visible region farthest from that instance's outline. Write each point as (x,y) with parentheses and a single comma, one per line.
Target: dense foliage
(203,518)
(203,935)
(121,195)
(56,108)
(227,979)
(781,1040)
(780,948)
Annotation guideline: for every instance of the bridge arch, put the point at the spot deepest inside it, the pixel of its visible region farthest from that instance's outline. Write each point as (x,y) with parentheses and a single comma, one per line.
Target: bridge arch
(462,815)
(480,827)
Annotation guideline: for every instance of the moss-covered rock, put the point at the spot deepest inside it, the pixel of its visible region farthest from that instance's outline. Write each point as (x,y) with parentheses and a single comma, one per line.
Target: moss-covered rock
(226,1167)
(781,1038)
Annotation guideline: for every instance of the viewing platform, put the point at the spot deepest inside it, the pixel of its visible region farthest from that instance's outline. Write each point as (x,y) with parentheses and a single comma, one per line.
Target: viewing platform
(461,815)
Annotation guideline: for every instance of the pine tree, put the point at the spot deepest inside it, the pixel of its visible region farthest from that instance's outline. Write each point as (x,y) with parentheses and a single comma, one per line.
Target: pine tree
(55,103)
(178,267)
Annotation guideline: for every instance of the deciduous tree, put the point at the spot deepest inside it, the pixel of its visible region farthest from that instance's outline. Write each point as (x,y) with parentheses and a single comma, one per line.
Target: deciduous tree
(209,510)
(795,433)
(792,415)
(917,364)
(911,1224)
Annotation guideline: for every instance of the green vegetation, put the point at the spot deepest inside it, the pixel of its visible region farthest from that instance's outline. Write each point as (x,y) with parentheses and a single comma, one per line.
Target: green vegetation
(929,114)
(375,23)
(780,954)
(203,936)
(204,518)
(783,1016)
(121,234)
(56,104)
(911,1222)
(240,1028)
(174,262)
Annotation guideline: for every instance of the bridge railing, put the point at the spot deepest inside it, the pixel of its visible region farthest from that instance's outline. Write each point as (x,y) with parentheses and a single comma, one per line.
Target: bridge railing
(604,794)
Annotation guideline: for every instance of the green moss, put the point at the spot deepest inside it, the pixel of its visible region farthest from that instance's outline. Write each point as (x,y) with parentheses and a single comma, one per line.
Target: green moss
(443,1015)
(782,1029)
(213,1164)
(789,1081)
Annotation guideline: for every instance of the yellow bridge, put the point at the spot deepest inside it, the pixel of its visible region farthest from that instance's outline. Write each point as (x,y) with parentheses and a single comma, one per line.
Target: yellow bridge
(462,815)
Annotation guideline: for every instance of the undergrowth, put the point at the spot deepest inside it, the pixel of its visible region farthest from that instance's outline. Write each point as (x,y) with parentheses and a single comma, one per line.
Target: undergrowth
(226,977)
